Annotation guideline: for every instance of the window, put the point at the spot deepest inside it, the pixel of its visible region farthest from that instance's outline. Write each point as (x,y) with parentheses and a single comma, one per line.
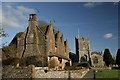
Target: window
(95,60)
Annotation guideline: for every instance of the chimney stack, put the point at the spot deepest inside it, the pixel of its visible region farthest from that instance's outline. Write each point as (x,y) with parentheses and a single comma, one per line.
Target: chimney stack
(32,17)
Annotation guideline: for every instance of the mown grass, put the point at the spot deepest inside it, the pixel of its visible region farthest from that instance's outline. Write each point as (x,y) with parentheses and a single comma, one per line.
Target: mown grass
(107,74)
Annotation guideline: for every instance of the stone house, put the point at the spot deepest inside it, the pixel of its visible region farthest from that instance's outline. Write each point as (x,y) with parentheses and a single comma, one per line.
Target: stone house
(97,59)
(43,42)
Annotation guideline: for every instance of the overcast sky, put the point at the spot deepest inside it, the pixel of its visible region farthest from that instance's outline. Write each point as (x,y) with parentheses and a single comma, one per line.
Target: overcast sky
(98,20)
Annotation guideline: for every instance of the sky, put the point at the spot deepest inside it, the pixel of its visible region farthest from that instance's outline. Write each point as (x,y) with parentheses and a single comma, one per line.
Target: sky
(98,20)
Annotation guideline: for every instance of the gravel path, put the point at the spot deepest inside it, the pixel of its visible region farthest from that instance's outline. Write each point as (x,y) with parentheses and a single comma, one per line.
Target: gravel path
(89,76)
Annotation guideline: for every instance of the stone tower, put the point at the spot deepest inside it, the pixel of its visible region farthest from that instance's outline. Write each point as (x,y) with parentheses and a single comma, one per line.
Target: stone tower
(82,49)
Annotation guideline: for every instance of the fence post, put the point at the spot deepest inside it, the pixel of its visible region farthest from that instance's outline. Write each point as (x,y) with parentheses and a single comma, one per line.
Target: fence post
(94,74)
(69,75)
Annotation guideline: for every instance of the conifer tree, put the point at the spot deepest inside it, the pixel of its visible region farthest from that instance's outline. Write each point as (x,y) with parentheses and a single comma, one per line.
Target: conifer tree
(118,58)
(107,57)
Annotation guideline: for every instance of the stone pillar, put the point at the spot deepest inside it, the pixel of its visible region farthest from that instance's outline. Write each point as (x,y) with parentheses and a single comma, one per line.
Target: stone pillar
(33,71)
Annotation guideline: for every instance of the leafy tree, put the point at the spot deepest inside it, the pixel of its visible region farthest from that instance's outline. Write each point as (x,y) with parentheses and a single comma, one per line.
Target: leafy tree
(10,61)
(8,56)
(8,52)
(107,57)
(45,24)
(113,61)
(42,23)
(35,61)
(118,58)
(2,33)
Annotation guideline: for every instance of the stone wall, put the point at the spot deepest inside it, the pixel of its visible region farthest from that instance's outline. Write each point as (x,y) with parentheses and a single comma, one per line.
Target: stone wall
(41,73)
(31,72)
(18,72)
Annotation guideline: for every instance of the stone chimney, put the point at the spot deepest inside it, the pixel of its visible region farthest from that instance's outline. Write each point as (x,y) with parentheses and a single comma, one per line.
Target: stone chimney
(31,38)
(32,17)
(32,22)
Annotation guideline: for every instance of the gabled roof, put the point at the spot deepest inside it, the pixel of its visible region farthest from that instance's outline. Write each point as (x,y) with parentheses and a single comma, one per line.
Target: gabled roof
(60,56)
(14,40)
(98,53)
(65,42)
(57,35)
(45,29)
(19,34)
(62,38)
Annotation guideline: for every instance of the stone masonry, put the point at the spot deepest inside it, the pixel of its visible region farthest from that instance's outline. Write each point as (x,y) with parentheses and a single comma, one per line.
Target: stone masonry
(43,42)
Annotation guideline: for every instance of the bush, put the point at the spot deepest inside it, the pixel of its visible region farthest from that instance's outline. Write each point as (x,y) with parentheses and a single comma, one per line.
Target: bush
(35,61)
(10,61)
(7,52)
(84,64)
(67,64)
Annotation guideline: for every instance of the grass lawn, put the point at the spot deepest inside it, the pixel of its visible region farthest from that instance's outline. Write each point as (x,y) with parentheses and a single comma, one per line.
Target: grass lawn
(107,74)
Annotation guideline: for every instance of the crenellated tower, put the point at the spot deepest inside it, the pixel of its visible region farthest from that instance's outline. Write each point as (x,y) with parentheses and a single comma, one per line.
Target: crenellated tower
(83,49)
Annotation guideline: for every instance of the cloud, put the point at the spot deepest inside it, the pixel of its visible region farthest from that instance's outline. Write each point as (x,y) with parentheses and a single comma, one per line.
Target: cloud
(115,3)
(91,4)
(15,16)
(108,36)
(0,14)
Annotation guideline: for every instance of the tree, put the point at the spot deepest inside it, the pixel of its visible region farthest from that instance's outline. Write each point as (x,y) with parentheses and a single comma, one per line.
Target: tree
(8,56)
(107,57)
(113,61)
(42,23)
(118,58)
(37,61)
(2,33)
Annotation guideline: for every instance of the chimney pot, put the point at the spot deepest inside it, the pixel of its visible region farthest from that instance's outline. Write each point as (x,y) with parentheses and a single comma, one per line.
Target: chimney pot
(32,17)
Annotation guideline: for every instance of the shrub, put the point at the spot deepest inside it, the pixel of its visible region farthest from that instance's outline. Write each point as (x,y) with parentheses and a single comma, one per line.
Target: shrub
(84,64)
(10,61)
(35,61)
(7,52)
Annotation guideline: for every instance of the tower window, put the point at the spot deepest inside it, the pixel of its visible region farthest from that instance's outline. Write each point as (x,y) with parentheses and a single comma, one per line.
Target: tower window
(95,60)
